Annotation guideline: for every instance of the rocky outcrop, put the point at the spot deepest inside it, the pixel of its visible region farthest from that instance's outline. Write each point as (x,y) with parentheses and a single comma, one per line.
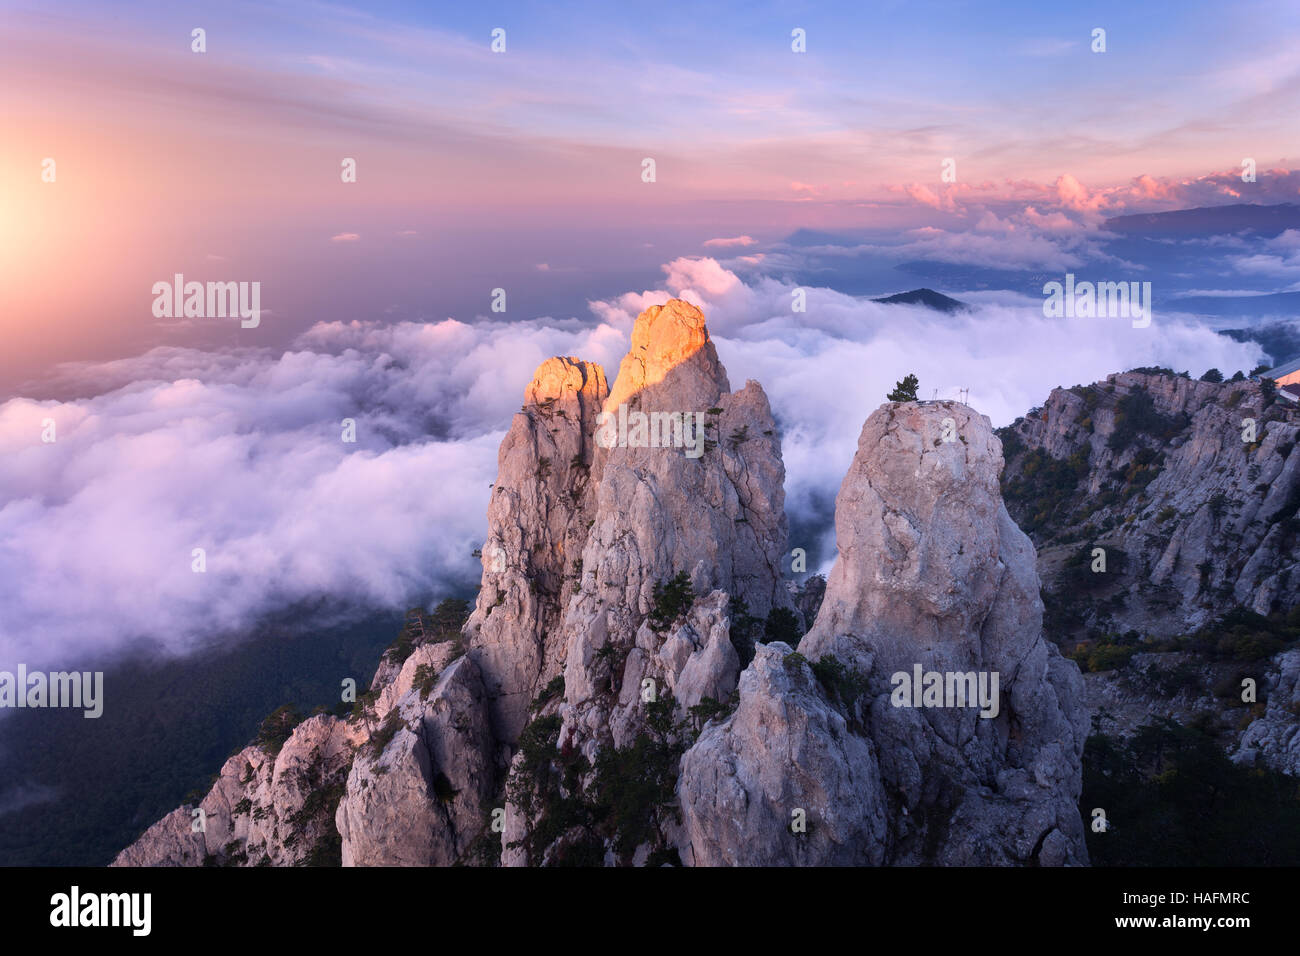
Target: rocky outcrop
(1274,739)
(710,506)
(418,792)
(787,751)
(263,808)
(932,573)
(542,505)
(1191,488)
(405,780)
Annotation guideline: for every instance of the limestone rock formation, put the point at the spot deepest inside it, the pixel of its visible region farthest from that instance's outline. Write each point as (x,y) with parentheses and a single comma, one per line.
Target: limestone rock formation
(263,806)
(418,792)
(405,780)
(542,504)
(602,694)
(933,572)
(717,517)
(739,810)
(1153,468)
(1274,739)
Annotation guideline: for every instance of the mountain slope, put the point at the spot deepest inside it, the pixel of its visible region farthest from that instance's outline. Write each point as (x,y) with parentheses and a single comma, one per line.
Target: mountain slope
(1152,468)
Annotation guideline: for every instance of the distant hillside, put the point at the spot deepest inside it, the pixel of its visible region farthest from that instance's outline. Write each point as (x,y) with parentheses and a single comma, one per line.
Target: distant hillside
(926,297)
(166,726)
(1209,221)
(1281,340)
(1152,467)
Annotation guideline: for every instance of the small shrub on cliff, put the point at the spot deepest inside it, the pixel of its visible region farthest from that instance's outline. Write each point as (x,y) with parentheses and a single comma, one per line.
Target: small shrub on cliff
(426,676)
(277,728)
(744,628)
(672,599)
(782,624)
(839,681)
(555,688)
(1101,656)
(382,737)
(708,708)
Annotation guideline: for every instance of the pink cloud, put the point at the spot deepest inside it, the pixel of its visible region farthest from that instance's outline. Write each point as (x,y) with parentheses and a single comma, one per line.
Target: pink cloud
(345,237)
(734,241)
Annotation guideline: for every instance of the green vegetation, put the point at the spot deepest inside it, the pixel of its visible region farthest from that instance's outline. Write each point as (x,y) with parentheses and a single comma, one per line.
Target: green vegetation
(1173,798)
(672,599)
(1103,655)
(1041,492)
(904,391)
(553,689)
(708,708)
(426,677)
(840,683)
(277,728)
(628,798)
(1136,415)
(382,737)
(782,624)
(421,627)
(1239,637)
(634,788)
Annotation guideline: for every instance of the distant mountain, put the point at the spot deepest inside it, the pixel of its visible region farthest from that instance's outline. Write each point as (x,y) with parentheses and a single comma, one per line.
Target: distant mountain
(926,297)
(1265,221)
(1240,306)
(1280,340)
(803,238)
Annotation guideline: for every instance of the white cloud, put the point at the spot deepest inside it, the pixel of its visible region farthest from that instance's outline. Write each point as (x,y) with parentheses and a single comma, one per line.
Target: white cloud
(239,452)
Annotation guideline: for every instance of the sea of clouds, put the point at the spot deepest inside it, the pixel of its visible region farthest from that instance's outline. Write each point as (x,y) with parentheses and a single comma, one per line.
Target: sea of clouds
(240,452)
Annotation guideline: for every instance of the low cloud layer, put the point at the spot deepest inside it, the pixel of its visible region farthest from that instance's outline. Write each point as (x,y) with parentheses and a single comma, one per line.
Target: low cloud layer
(240,453)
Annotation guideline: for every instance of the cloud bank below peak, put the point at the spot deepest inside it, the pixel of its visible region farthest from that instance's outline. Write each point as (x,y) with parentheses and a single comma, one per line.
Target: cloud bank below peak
(240,453)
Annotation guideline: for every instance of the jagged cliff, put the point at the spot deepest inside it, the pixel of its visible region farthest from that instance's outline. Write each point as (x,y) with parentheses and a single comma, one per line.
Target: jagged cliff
(620,695)
(1152,467)
(1189,494)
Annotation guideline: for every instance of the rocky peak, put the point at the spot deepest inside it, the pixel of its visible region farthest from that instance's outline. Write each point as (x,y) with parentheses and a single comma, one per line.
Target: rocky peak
(932,572)
(538,516)
(714,513)
(670,353)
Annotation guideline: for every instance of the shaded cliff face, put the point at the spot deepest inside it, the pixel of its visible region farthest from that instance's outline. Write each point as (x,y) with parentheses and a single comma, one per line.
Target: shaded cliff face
(933,573)
(1153,469)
